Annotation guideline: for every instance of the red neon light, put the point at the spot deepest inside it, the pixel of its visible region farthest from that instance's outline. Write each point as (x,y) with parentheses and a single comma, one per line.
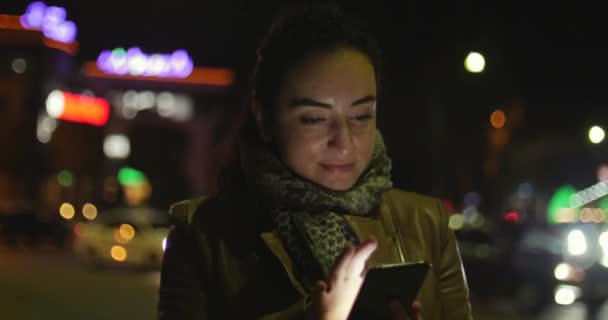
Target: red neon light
(512,217)
(85,109)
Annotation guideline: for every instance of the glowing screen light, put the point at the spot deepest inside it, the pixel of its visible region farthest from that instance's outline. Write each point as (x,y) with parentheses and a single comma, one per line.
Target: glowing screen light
(77,108)
(50,20)
(137,63)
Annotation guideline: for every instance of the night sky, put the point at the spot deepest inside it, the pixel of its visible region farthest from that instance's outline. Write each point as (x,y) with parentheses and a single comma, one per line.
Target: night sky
(549,61)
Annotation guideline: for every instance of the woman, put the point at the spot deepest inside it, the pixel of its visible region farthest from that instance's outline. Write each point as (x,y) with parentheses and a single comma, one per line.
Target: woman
(309,202)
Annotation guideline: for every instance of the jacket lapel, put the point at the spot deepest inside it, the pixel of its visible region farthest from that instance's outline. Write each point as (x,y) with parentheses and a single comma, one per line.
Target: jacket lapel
(274,243)
(382,227)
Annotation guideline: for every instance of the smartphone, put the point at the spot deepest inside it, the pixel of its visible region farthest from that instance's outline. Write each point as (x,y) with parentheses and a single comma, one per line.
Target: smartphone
(384,283)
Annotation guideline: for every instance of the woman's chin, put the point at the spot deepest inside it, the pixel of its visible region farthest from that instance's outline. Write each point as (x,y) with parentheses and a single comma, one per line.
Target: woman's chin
(337,185)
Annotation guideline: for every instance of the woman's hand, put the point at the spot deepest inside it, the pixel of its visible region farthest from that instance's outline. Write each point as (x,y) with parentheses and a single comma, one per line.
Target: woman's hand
(400,313)
(334,298)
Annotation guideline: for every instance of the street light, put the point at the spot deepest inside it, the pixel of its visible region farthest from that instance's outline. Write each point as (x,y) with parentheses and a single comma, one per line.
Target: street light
(596,134)
(474,62)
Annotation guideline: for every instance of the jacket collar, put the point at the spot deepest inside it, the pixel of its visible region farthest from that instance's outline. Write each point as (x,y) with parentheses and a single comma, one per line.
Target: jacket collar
(382,227)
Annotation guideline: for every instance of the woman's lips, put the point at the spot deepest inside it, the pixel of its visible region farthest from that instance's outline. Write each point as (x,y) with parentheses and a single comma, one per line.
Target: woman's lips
(338,167)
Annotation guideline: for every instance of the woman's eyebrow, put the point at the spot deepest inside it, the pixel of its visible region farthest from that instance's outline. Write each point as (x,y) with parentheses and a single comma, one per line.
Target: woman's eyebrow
(307,102)
(364,100)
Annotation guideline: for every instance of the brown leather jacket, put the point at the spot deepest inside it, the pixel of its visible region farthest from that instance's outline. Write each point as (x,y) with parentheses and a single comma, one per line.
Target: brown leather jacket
(221,264)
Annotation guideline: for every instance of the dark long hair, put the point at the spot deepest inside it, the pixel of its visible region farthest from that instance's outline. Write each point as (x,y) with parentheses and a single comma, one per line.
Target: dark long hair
(297,31)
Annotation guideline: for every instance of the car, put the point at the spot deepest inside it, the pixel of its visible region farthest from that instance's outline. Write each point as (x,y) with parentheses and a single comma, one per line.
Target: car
(562,264)
(134,237)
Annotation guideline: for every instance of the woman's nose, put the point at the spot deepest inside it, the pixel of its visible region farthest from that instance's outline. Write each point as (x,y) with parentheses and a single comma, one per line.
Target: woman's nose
(341,137)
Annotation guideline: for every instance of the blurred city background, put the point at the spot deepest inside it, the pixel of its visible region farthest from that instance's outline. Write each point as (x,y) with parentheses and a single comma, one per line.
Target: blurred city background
(110,111)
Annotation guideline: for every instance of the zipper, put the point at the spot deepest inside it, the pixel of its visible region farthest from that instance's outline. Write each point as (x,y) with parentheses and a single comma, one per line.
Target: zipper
(391,224)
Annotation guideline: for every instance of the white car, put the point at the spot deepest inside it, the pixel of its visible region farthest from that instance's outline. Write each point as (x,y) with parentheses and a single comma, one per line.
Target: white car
(123,236)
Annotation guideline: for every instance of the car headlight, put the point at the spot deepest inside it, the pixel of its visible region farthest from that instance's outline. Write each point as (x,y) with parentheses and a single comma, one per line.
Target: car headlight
(603,240)
(577,243)
(566,295)
(562,271)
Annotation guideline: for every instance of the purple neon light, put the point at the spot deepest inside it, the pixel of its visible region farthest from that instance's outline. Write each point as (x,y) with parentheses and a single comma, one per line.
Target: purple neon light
(50,20)
(134,62)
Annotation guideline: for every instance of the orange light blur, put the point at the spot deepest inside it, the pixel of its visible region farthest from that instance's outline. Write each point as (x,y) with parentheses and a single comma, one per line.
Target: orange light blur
(83,109)
(199,76)
(79,229)
(11,22)
(119,238)
(118,253)
(498,119)
(127,231)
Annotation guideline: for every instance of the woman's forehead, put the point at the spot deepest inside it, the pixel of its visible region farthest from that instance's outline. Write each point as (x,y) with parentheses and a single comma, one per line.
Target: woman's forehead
(341,73)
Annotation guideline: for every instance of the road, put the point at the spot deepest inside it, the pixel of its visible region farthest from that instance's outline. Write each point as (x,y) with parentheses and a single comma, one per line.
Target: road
(50,284)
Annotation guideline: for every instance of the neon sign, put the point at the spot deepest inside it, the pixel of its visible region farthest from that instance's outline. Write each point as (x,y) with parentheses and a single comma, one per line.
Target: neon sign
(50,20)
(77,108)
(136,63)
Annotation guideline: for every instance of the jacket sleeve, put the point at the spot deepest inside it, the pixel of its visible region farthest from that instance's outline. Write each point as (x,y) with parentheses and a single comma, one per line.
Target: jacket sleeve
(181,295)
(183,292)
(452,280)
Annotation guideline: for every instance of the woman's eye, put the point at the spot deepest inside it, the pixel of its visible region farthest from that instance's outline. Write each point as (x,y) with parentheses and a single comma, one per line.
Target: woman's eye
(311,120)
(362,117)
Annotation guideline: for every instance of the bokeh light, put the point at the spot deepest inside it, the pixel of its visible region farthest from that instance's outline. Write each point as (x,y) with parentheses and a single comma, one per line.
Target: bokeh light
(118,253)
(512,217)
(525,190)
(562,271)
(475,62)
(67,211)
(116,146)
(456,221)
(577,243)
(127,231)
(498,119)
(65,178)
(596,134)
(562,198)
(89,211)
(119,238)
(19,65)
(602,172)
(131,177)
(55,104)
(566,295)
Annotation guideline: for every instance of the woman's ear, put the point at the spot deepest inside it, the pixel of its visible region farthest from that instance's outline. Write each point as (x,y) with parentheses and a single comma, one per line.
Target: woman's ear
(262,126)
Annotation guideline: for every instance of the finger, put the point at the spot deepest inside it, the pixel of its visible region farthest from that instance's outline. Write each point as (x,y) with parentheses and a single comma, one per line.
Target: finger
(357,263)
(340,264)
(397,310)
(319,287)
(416,308)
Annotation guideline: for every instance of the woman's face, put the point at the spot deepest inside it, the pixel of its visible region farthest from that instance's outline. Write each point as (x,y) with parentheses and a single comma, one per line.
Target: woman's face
(327,117)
